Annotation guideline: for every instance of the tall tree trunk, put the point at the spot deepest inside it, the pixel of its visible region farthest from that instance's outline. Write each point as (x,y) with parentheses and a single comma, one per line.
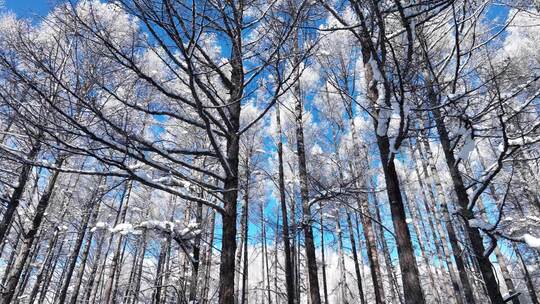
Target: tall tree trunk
(528,279)
(323,258)
(343,276)
(360,161)
(289,276)
(196,257)
(391,271)
(72,260)
(6,295)
(454,241)
(409,270)
(245,230)
(477,245)
(309,243)
(208,261)
(230,196)
(18,192)
(415,217)
(439,238)
(109,292)
(84,257)
(355,259)
(44,266)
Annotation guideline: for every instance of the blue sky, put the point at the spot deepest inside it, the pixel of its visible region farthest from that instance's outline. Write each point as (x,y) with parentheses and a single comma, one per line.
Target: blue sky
(29,8)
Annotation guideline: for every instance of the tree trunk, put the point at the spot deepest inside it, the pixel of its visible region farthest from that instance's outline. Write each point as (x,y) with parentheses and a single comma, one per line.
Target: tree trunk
(323,258)
(84,257)
(415,217)
(208,261)
(109,292)
(360,162)
(72,260)
(44,267)
(196,256)
(486,268)
(391,271)
(409,270)
(454,241)
(230,196)
(440,238)
(14,275)
(244,227)
(528,279)
(18,192)
(355,259)
(343,277)
(289,276)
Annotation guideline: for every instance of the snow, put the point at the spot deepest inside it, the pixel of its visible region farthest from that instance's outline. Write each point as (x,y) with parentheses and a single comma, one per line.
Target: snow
(408,220)
(123,229)
(531,241)
(467,148)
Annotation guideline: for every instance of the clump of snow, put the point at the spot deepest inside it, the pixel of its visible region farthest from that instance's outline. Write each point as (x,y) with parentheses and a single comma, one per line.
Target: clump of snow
(123,229)
(531,241)
(468,147)
(408,220)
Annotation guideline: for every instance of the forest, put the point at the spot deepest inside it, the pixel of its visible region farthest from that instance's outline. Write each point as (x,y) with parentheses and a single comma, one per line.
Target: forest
(270,151)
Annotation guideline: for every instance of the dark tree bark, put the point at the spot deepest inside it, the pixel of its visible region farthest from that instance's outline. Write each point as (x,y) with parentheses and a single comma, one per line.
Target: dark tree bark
(477,243)
(355,259)
(289,275)
(6,295)
(18,192)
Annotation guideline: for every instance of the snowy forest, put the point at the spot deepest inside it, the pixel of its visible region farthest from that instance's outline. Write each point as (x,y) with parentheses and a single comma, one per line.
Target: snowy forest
(270,151)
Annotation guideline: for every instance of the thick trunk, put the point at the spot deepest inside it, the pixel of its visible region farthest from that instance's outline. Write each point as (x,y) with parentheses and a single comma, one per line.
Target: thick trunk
(365,216)
(409,270)
(7,293)
(309,243)
(230,195)
(415,217)
(18,192)
(477,245)
(289,276)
